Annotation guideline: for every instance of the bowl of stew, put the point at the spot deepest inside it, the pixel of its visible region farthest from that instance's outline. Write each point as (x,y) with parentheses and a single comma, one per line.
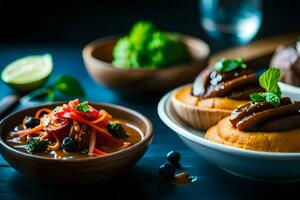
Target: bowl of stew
(74,142)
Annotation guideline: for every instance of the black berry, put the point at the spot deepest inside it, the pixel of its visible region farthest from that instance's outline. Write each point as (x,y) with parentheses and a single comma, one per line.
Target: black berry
(167,171)
(174,158)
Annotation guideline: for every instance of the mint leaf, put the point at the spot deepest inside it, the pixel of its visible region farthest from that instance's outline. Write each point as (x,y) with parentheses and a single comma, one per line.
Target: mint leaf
(267,96)
(257,97)
(269,81)
(272,98)
(83,107)
(227,65)
(69,86)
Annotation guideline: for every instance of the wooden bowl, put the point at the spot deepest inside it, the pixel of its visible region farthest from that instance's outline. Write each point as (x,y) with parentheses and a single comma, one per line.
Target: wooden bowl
(97,57)
(87,170)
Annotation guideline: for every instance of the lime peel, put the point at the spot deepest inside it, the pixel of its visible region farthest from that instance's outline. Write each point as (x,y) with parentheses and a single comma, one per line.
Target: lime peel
(28,72)
(28,69)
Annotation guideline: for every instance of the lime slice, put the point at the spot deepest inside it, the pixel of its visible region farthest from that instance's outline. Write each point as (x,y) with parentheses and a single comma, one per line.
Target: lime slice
(28,73)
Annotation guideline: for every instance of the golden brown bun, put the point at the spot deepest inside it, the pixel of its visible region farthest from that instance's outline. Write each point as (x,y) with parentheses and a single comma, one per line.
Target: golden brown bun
(201,113)
(225,133)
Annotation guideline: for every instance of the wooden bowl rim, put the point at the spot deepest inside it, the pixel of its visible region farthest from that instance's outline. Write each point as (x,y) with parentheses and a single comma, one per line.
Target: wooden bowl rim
(147,138)
(90,47)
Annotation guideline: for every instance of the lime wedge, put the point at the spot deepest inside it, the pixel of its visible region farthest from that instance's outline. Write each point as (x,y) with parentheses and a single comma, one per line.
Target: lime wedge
(28,73)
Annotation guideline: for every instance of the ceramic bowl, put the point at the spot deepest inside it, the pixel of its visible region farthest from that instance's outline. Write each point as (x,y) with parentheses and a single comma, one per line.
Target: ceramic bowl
(97,57)
(256,165)
(87,170)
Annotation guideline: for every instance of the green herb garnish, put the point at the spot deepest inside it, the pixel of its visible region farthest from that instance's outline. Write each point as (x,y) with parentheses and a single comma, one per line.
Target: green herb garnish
(65,85)
(269,81)
(227,65)
(69,86)
(37,144)
(146,46)
(83,107)
(85,152)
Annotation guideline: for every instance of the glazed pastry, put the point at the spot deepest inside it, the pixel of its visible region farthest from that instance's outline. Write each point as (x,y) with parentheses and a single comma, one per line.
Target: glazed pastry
(215,93)
(264,124)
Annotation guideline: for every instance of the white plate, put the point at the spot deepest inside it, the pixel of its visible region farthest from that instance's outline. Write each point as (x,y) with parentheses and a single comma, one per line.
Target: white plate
(257,165)
(291,91)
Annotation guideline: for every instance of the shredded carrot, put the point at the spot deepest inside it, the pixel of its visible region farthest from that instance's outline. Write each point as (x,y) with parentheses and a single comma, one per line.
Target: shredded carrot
(42,134)
(105,134)
(100,118)
(57,144)
(107,114)
(38,113)
(92,142)
(99,152)
(23,133)
(24,122)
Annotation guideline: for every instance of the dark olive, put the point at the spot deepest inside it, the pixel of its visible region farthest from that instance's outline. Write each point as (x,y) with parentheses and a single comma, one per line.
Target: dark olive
(167,171)
(69,145)
(31,122)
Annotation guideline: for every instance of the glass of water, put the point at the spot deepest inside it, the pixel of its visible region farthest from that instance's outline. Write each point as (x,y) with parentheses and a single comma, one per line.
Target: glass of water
(231,21)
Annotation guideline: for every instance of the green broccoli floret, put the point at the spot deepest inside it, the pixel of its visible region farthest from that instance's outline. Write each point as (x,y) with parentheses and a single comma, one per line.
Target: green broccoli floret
(122,53)
(141,34)
(147,47)
(167,49)
(37,144)
(116,129)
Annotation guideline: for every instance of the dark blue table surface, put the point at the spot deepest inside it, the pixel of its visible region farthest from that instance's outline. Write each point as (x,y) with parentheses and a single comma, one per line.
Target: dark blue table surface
(143,181)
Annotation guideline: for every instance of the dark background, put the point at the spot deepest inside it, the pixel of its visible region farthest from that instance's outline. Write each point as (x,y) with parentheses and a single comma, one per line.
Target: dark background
(81,22)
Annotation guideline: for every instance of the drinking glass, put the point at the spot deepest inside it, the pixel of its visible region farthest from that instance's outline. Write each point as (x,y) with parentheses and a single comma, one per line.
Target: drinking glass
(231,21)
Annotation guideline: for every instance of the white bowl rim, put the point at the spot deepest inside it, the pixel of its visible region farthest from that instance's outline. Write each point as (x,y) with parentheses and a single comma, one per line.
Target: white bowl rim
(172,124)
(290,88)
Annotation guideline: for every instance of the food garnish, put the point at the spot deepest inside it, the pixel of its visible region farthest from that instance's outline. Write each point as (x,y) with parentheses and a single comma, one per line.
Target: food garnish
(269,81)
(73,128)
(28,73)
(37,144)
(68,86)
(227,65)
(147,47)
(64,85)
(83,107)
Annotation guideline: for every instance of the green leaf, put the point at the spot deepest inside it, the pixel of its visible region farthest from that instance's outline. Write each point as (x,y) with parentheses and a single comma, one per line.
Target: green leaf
(69,86)
(227,65)
(83,107)
(39,93)
(257,97)
(269,81)
(266,96)
(272,98)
